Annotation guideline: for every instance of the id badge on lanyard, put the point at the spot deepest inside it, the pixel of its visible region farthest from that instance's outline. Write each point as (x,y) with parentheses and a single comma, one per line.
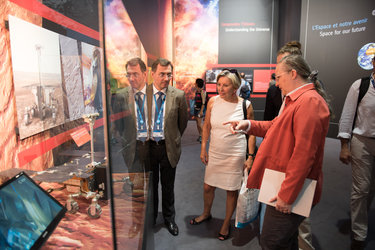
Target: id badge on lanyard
(141,120)
(158,123)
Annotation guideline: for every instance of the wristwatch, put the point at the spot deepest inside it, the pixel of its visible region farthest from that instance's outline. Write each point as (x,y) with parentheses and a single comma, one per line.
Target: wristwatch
(252,155)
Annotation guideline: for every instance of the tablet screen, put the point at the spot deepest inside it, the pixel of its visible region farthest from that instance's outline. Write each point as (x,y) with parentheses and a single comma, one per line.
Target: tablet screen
(28,214)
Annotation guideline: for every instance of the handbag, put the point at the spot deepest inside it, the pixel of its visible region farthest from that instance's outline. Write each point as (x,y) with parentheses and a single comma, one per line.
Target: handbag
(247,204)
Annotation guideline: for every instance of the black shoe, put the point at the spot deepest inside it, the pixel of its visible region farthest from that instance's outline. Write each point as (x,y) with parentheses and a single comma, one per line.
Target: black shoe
(172,227)
(357,245)
(223,237)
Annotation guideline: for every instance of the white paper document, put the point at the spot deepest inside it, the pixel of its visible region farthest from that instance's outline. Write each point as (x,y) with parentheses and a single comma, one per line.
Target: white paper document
(270,187)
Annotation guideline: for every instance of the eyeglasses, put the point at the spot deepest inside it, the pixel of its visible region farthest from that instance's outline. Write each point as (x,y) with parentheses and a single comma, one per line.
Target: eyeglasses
(278,76)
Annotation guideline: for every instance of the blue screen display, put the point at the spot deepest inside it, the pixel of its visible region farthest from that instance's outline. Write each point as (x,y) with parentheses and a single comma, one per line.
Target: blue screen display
(26,211)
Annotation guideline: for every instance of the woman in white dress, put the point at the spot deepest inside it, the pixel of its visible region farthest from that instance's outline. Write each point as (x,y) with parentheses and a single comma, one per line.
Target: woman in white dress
(226,158)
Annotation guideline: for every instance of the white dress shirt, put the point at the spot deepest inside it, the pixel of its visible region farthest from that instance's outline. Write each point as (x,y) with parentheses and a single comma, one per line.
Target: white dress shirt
(365,122)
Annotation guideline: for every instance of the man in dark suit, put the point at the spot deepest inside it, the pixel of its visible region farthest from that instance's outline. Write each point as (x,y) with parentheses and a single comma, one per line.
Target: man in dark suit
(169,116)
(133,127)
(273,103)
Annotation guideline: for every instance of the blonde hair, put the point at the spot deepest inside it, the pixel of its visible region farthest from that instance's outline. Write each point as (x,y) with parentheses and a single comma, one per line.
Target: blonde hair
(233,77)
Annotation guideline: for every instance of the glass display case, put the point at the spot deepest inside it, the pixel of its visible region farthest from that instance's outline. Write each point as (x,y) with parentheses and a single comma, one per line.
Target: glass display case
(62,66)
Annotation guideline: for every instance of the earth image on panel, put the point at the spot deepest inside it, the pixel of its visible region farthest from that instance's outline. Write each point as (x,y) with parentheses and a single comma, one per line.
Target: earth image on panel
(365,55)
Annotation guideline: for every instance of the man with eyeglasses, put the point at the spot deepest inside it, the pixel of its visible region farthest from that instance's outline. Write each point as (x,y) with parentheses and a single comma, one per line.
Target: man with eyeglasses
(357,136)
(134,126)
(169,116)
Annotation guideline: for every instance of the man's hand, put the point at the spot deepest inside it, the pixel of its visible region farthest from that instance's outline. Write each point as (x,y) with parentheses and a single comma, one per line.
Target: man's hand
(345,155)
(237,125)
(282,206)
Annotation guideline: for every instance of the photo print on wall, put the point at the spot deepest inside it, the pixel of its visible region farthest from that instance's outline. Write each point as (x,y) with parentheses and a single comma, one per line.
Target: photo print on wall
(37,77)
(92,80)
(72,77)
(56,78)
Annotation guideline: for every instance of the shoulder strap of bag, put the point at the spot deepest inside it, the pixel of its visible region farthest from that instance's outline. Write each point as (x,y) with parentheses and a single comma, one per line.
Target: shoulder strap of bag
(244,109)
(247,136)
(245,117)
(365,83)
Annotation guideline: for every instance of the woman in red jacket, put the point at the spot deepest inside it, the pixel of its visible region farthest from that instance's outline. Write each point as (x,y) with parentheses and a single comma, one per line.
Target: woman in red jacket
(294,144)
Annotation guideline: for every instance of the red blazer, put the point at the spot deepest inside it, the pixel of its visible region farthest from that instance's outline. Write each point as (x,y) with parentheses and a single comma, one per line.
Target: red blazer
(293,143)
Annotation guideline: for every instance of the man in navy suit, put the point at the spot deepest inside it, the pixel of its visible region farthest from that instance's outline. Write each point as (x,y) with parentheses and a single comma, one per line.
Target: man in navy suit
(169,117)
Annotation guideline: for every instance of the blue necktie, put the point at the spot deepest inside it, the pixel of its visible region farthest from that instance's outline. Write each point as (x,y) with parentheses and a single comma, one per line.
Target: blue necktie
(159,116)
(160,98)
(141,120)
(141,108)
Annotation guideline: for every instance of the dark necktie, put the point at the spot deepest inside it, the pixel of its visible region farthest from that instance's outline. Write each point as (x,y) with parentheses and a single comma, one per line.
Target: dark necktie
(141,119)
(159,116)
(141,108)
(160,99)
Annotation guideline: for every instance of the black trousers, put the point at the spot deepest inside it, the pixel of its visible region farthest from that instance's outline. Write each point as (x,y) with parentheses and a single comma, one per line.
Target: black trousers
(280,231)
(141,161)
(160,164)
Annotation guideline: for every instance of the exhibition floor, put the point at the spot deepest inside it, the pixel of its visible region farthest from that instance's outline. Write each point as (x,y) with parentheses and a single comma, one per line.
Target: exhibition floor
(330,218)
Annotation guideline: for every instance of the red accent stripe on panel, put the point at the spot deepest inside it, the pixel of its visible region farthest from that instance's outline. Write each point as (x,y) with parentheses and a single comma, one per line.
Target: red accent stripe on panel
(241,65)
(37,150)
(258,96)
(54,16)
(119,115)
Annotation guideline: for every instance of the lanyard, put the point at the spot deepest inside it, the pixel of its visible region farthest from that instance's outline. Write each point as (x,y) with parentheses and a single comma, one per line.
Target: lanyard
(140,110)
(161,108)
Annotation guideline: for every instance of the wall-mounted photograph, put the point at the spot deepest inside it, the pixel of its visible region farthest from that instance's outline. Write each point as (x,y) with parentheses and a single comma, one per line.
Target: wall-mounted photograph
(71,77)
(37,77)
(211,75)
(92,80)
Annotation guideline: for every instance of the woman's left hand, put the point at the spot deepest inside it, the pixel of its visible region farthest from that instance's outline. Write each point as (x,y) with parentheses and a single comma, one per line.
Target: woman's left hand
(281,205)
